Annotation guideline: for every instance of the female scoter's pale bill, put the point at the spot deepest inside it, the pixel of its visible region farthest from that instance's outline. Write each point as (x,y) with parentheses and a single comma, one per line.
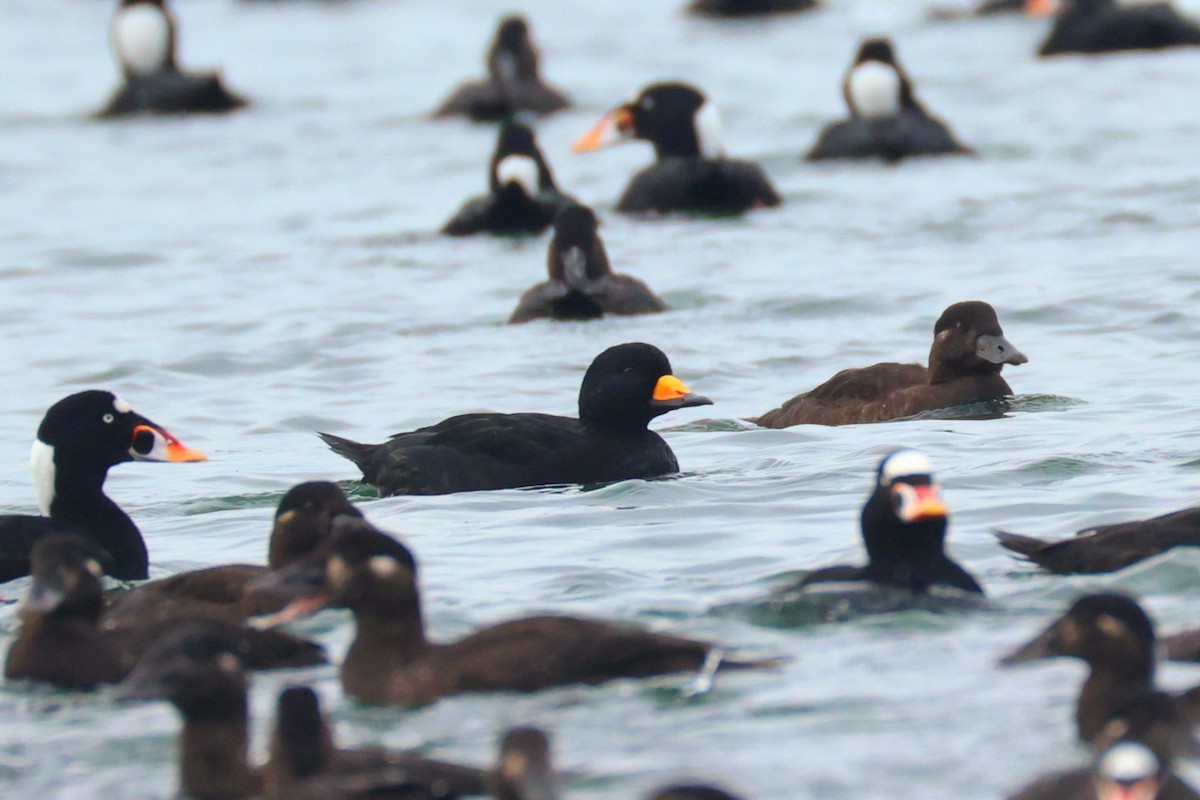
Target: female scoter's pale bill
(582,285)
(886,120)
(143,35)
(1103,26)
(691,173)
(748,8)
(623,390)
(513,84)
(969,351)
(80,438)
(522,197)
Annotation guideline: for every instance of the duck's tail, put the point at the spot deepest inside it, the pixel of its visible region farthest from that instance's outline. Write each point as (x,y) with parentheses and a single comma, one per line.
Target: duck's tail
(357,452)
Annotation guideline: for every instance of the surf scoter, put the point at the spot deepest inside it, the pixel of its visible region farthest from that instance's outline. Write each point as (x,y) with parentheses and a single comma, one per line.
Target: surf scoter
(391,661)
(143,34)
(625,387)
(1104,26)
(886,120)
(748,8)
(513,83)
(1128,770)
(302,521)
(305,762)
(582,285)
(1113,635)
(1108,548)
(80,438)
(64,640)
(522,196)
(904,531)
(691,173)
(969,350)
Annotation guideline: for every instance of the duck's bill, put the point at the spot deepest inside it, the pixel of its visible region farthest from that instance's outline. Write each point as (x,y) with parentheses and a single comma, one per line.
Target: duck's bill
(1040,8)
(671,393)
(301,585)
(153,443)
(1045,645)
(998,350)
(616,126)
(915,503)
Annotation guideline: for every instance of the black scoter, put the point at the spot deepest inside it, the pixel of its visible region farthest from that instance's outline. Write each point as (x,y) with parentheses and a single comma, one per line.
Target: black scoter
(886,120)
(582,285)
(1113,635)
(302,521)
(513,83)
(748,8)
(968,352)
(1108,548)
(522,197)
(64,640)
(691,173)
(1128,770)
(80,438)
(1105,26)
(144,34)
(392,662)
(625,387)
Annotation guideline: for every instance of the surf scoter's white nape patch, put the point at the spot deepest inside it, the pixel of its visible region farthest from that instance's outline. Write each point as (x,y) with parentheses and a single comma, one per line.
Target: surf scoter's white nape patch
(41,458)
(708,131)
(903,464)
(875,89)
(522,170)
(120,406)
(141,35)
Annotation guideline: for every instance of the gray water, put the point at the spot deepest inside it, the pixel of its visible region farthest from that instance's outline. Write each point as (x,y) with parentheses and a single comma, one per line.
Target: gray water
(248,280)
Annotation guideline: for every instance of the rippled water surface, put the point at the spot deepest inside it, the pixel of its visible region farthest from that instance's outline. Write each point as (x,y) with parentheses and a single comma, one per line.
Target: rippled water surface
(246,281)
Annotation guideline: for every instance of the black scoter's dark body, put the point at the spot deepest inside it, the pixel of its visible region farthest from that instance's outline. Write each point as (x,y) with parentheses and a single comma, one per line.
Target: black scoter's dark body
(748,8)
(1104,26)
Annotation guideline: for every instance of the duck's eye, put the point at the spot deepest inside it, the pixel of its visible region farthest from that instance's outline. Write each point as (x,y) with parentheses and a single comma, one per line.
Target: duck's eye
(648,103)
(108,419)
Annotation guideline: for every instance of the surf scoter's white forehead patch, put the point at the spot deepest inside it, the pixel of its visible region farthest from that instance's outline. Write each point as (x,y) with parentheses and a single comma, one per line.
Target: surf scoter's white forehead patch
(903,463)
(121,406)
(1129,762)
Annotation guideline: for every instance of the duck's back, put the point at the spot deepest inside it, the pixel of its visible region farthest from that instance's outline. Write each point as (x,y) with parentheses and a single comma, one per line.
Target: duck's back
(908,134)
(172,92)
(851,396)
(476,452)
(697,185)
(1149,27)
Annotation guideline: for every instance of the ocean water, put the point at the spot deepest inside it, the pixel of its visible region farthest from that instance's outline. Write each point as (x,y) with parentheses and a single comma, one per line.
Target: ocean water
(248,280)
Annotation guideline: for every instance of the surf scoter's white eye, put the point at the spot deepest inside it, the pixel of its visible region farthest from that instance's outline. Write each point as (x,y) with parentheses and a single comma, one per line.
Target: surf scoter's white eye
(108,418)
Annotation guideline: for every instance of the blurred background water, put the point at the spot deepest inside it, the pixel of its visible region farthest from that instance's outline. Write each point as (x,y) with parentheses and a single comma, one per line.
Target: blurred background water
(245,281)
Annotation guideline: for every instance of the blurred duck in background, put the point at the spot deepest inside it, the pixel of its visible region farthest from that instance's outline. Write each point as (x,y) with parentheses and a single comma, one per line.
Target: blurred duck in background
(513,83)
(1128,770)
(1104,26)
(748,8)
(144,35)
(990,8)
(886,120)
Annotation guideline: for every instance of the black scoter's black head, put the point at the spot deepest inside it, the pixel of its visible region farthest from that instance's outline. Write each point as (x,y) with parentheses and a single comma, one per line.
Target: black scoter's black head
(675,117)
(196,670)
(880,50)
(1130,771)
(83,435)
(525,771)
(692,792)
(66,578)
(301,737)
(577,255)
(905,518)
(512,57)
(518,163)
(968,340)
(304,520)
(1106,630)
(630,384)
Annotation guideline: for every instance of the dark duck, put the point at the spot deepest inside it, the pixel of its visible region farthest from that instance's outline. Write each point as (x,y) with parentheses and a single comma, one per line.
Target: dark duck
(64,639)
(522,197)
(144,34)
(1113,635)
(691,173)
(79,440)
(969,351)
(625,387)
(513,83)
(748,8)
(904,530)
(886,119)
(302,522)
(1105,26)
(305,762)
(1108,548)
(1127,770)
(582,285)
(392,662)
